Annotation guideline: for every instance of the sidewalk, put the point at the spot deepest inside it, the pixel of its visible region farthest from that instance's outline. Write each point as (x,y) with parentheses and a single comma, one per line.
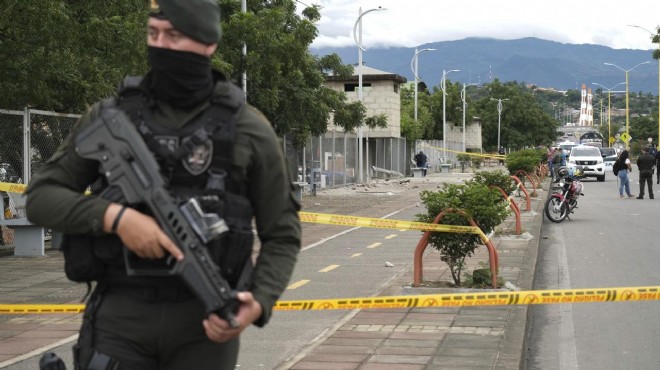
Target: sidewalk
(489,337)
(420,338)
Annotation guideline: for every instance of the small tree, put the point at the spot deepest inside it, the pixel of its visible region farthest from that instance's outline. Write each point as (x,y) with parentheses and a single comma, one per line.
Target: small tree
(526,160)
(495,178)
(482,204)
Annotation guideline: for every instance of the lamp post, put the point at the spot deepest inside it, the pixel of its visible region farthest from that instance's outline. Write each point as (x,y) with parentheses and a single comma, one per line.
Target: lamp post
(444,115)
(655,38)
(244,52)
(414,66)
(464,99)
(499,118)
(358,43)
(627,89)
(609,110)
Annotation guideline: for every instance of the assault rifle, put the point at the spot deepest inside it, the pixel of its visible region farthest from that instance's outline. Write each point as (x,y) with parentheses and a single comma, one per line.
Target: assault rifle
(127,163)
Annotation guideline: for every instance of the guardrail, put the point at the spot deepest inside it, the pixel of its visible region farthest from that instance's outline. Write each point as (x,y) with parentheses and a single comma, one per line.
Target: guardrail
(28,238)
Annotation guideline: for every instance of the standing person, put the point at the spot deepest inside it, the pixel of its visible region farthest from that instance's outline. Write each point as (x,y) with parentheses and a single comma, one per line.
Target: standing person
(152,322)
(624,166)
(645,164)
(651,149)
(556,163)
(657,166)
(420,161)
(550,155)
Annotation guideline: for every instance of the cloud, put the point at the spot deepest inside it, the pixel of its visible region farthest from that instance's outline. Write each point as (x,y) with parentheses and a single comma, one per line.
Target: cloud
(412,23)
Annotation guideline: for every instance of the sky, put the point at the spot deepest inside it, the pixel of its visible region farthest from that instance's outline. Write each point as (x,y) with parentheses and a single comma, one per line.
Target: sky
(411,23)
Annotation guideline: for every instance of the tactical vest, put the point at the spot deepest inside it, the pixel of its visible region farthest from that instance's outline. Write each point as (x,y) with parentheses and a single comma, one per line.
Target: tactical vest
(218,188)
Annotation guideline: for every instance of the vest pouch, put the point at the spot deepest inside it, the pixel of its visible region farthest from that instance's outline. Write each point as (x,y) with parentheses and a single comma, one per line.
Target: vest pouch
(80,262)
(86,256)
(109,249)
(234,251)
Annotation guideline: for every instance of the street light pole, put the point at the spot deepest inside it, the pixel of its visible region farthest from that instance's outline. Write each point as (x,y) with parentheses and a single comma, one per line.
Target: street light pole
(358,43)
(444,115)
(499,118)
(414,65)
(609,110)
(655,38)
(244,51)
(464,98)
(627,88)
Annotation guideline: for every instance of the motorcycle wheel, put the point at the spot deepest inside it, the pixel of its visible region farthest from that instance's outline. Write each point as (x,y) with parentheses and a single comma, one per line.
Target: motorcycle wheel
(556,210)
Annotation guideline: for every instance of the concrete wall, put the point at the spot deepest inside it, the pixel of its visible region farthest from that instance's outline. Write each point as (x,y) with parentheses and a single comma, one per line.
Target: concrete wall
(472,134)
(380,97)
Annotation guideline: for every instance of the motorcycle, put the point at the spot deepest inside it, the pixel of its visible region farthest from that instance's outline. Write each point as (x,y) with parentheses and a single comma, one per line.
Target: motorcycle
(561,204)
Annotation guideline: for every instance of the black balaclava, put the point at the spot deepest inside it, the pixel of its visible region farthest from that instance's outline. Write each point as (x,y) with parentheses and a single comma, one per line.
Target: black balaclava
(180,78)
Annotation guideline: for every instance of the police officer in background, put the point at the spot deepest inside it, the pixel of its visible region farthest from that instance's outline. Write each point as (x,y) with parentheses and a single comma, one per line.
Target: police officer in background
(645,164)
(137,322)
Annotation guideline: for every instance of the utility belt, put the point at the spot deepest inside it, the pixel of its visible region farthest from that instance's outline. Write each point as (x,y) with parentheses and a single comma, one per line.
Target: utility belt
(151,293)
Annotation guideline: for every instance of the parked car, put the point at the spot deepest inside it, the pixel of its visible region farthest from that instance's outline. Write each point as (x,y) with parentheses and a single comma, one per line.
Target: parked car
(609,157)
(591,160)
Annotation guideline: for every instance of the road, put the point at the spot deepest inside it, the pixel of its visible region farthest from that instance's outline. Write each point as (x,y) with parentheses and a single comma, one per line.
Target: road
(351,263)
(609,242)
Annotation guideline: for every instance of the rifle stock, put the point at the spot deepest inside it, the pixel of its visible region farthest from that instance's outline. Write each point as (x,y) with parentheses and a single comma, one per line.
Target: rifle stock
(126,162)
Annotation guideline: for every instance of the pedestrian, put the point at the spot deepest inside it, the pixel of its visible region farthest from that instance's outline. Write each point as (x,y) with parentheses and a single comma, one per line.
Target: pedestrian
(211,146)
(501,152)
(550,155)
(651,149)
(645,165)
(657,166)
(557,161)
(624,167)
(420,161)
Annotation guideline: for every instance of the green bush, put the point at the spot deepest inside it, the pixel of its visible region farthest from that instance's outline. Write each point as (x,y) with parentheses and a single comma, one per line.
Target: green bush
(484,205)
(463,157)
(495,178)
(526,160)
(477,161)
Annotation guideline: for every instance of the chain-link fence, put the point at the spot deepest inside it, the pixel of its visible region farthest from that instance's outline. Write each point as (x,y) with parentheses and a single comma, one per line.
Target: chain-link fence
(332,160)
(29,138)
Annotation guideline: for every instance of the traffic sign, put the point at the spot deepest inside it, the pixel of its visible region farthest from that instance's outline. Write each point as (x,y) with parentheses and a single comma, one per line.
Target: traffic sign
(626,137)
(612,140)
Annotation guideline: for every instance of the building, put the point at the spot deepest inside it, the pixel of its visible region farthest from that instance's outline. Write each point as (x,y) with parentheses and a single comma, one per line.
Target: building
(380,95)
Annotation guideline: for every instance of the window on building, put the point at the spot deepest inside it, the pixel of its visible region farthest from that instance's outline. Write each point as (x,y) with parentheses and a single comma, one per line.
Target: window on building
(396,88)
(355,87)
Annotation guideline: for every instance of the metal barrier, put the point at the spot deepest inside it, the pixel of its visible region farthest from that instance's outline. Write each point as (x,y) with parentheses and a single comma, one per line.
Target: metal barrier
(28,238)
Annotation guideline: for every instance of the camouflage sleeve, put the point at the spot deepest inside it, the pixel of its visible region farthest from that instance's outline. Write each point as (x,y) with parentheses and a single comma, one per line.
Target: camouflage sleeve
(276,210)
(55,194)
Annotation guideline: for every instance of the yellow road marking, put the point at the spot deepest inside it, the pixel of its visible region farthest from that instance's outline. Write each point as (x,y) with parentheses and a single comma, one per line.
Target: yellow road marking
(390,236)
(374,245)
(356,255)
(297,284)
(329,268)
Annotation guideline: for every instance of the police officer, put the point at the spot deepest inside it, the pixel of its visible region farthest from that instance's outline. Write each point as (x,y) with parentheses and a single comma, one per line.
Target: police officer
(137,322)
(645,163)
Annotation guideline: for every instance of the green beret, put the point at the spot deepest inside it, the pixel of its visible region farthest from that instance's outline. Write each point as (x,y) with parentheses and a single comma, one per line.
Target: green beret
(197,19)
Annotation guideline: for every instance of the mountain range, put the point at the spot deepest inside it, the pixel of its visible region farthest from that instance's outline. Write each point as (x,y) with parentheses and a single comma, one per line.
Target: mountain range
(546,64)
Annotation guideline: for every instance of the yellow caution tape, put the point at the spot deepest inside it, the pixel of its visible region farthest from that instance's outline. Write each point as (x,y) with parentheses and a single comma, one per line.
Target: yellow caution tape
(487,298)
(10,187)
(498,156)
(382,223)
